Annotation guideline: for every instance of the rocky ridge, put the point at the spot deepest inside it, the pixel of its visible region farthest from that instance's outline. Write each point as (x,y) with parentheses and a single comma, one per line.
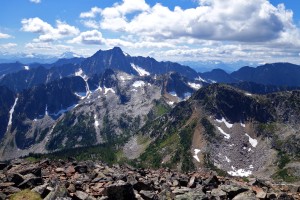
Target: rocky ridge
(95,180)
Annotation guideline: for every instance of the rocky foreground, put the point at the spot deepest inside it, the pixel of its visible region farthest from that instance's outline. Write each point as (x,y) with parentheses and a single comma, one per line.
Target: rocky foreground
(95,180)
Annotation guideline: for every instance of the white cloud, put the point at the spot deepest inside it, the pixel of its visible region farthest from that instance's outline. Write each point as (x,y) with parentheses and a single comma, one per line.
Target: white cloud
(47,48)
(91,24)
(35,1)
(4,36)
(9,45)
(231,20)
(114,18)
(47,32)
(92,13)
(89,37)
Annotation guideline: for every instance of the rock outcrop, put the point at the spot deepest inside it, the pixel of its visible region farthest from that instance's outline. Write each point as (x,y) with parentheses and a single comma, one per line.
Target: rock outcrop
(95,180)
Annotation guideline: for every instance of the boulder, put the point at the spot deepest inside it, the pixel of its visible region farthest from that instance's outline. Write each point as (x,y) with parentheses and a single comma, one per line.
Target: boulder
(120,191)
(16,178)
(192,183)
(59,192)
(192,195)
(81,169)
(285,196)
(31,182)
(42,190)
(2,196)
(3,165)
(232,190)
(260,193)
(70,170)
(59,170)
(148,195)
(11,190)
(81,195)
(218,193)
(249,195)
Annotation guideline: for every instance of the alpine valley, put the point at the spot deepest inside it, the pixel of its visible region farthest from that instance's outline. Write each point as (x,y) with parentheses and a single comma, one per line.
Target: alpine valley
(123,109)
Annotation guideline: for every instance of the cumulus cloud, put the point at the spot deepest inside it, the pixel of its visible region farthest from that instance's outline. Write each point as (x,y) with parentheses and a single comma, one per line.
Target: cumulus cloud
(4,36)
(9,45)
(47,32)
(93,37)
(92,13)
(231,20)
(91,24)
(35,1)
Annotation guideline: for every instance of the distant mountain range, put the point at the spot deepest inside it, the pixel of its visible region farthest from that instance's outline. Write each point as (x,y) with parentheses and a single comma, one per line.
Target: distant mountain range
(279,74)
(35,58)
(154,113)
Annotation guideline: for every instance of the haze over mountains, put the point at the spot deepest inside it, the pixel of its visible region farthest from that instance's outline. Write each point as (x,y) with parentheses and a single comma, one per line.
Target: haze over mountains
(155,113)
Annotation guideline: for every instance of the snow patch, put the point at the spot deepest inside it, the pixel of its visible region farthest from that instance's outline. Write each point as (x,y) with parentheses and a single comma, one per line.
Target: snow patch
(125,77)
(81,74)
(46,110)
(137,84)
(125,54)
(96,124)
(81,95)
(248,94)
(243,125)
(229,125)
(170,103)
(239,172)
(226,136)
(201,79)
(26,67)
(195,85)
(227,159)
(252,141)
(64,110)
(139,70)
(106,90)
(196,151)
(187,95)
(173,93)
(12,110)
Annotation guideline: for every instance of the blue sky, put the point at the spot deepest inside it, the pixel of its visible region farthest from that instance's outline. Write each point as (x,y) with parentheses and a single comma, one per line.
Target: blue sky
(182,30)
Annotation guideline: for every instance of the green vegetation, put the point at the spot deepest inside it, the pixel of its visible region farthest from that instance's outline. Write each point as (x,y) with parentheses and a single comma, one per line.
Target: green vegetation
(105,153)
(266,130)
(25,194)
(161,108)
(283,159)
(43,134)
(285,175)
(210,165)
(80,133)
(176,144)
(209,130)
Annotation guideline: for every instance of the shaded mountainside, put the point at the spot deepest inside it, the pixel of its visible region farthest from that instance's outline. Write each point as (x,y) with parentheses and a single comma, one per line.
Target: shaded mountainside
(276,74)
(107,108)
(7,99)
(230,131)
(284,74)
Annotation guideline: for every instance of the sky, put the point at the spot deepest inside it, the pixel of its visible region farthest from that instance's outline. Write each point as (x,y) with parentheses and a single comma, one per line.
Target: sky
(183,30)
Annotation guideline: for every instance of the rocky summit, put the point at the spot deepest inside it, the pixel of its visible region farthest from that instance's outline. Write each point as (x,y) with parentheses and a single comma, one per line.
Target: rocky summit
(90,180)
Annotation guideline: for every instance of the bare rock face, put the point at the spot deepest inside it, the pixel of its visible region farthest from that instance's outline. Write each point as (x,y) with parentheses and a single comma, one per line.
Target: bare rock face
(95,180)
